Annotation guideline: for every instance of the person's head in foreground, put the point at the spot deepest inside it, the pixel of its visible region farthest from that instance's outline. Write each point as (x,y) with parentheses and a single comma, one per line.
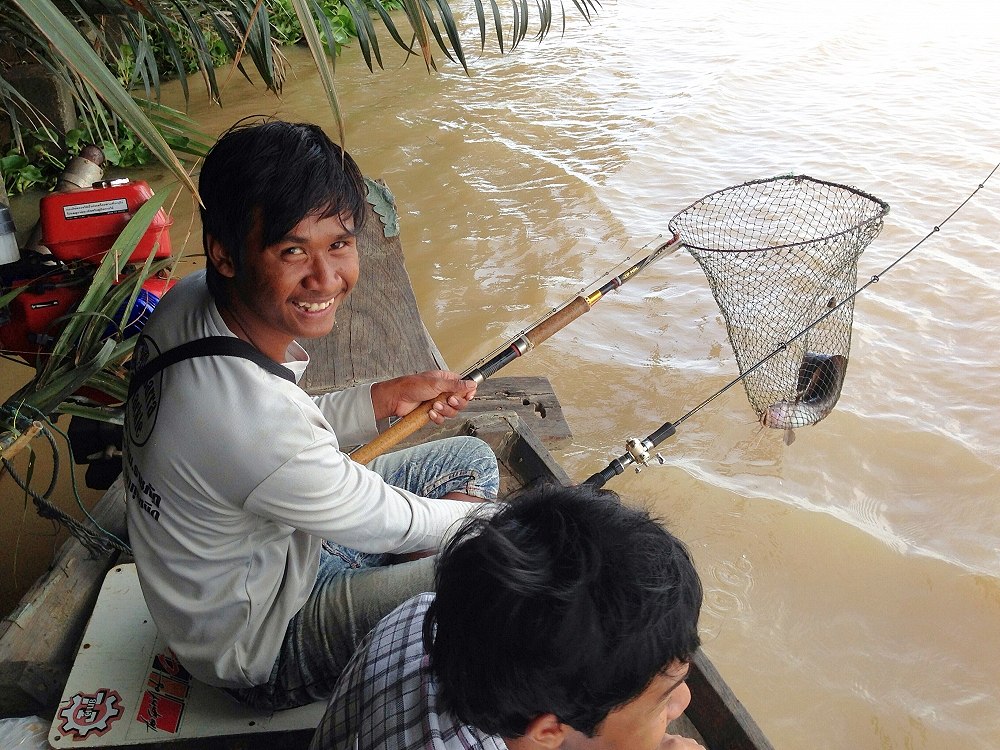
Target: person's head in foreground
(567,620)
(281,207)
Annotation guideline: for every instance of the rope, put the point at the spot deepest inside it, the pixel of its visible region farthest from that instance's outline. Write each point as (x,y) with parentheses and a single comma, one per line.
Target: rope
(99,542)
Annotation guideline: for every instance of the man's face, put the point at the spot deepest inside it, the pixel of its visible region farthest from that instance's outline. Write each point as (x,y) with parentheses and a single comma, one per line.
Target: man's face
(641,723)
(292,289)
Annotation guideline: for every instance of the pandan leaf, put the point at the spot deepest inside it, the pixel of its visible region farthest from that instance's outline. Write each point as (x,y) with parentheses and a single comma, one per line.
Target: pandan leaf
(384,205)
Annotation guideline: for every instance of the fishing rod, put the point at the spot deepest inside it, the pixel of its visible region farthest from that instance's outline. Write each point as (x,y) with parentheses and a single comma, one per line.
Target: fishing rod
(637,451)
(507,353)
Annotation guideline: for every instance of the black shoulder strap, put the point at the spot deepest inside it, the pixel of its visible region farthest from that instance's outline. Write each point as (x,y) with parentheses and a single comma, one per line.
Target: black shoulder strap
(224,346)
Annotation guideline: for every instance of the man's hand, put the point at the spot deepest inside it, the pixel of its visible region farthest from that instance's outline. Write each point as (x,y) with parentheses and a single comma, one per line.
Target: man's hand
(400,396)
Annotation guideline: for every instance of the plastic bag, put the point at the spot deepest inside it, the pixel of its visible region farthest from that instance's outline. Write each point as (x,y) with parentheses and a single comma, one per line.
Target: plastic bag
(24,733)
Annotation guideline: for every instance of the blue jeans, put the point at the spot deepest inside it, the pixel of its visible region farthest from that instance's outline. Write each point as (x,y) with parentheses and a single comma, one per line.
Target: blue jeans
(354,590)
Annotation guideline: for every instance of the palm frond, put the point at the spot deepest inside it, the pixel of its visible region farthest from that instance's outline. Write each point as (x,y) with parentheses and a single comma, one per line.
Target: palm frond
(319,58)
(391,28)
(418,23)
(367,40)
(451,29)
(179,130)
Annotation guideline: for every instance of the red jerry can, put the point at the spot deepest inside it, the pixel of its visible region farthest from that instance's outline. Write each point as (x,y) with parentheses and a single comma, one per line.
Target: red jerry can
(82,225)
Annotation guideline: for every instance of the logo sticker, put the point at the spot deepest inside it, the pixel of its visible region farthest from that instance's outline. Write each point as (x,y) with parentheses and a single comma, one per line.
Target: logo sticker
(87,713)
(160,713)
(162,704)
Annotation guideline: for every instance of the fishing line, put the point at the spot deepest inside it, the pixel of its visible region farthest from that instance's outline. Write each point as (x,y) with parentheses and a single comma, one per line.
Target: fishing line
(100,542)
(637,450)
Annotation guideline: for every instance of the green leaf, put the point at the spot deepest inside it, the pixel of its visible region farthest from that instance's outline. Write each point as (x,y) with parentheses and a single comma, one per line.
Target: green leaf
(363,29)
(319,57)
(13,162)
(9,296)
(451,28)
(384,204)
(112,415)
(46,399)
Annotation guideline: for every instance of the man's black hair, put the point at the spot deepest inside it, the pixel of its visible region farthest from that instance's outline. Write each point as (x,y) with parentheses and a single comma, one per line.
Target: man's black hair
(271,174)
(565,602)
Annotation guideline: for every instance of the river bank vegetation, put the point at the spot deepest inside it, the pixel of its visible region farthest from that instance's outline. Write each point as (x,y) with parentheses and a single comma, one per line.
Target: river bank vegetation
(110,56)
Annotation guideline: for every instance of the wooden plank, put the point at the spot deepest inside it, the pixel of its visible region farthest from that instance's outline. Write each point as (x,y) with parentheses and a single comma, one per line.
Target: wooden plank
(523,458)
(38,640)
(379,332)
(532,399)
(717,713)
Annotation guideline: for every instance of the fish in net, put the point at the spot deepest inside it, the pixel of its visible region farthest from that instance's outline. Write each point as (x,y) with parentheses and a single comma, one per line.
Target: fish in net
(780,255)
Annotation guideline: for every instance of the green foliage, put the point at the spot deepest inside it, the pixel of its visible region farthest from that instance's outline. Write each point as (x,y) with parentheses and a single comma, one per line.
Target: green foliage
(37,156)
(173,37)
(84,353)
(287,29)
(284,27)
(45,159)
(19,174)
(45,154)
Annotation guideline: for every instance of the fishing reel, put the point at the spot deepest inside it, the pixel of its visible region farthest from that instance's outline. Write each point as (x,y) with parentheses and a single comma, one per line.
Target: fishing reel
(636,452)
(637,448)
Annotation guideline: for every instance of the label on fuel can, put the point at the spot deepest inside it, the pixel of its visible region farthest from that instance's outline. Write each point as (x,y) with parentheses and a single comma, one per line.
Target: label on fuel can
(97,208)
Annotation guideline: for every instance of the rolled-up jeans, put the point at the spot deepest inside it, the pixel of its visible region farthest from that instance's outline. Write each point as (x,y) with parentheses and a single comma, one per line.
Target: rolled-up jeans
(354,590)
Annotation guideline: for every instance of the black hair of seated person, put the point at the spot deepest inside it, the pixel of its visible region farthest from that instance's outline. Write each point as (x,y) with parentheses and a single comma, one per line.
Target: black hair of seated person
(567,601)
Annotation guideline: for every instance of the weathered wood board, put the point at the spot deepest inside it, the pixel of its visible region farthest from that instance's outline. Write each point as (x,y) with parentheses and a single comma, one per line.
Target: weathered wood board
(38,640)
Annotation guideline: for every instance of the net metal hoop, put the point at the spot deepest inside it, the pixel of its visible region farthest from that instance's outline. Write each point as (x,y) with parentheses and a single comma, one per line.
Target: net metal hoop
(781,254)
(682,222)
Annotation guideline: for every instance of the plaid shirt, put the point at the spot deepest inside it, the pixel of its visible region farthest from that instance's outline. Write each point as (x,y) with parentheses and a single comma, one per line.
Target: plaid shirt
(387,698)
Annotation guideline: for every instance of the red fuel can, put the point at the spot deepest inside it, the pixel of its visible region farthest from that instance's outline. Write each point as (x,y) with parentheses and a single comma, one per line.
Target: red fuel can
(82,225)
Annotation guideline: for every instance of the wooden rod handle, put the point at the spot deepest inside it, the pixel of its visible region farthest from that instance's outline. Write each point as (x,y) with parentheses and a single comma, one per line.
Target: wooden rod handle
(558,320)
(399,431)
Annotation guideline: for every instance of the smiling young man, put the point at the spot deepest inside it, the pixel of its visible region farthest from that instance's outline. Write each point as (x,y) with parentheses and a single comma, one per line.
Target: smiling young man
(259,544)
(566,621)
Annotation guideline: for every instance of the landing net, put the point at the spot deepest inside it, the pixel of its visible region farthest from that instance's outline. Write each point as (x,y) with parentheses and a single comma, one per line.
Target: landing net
(781,257)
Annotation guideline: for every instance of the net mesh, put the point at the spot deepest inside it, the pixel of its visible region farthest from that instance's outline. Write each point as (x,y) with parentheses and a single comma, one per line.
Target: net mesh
(781,254)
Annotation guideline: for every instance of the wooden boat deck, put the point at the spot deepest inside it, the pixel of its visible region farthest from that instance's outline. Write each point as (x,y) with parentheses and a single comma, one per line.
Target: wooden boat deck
(379,334)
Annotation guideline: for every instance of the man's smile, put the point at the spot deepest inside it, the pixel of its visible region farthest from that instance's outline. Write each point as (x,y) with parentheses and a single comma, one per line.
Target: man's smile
(314,306)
